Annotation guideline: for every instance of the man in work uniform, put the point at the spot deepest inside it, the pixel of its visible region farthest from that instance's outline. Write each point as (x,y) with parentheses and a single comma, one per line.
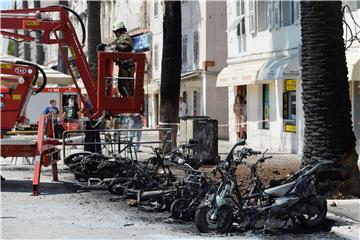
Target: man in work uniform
(123,43)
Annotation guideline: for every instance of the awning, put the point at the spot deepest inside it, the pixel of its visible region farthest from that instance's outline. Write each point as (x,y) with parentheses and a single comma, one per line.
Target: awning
(53,77)
(353,65)
(280,68)
(240,74)
(190,74)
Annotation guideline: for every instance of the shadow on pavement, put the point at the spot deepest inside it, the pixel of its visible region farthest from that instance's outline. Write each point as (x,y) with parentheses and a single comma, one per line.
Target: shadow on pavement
(325,227)
(46,188)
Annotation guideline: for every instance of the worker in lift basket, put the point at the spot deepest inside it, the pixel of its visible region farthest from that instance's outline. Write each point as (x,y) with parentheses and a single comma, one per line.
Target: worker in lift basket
(123,43)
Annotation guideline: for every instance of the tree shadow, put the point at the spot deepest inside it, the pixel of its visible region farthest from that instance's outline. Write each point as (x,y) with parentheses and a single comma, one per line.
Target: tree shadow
(46,188)
(299,230)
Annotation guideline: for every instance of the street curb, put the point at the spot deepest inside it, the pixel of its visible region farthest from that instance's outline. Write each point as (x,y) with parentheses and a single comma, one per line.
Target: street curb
(346,211)
(349,232)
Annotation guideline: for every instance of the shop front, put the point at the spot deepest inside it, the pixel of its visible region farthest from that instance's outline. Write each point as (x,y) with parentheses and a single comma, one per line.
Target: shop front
(272,90)
(353,65)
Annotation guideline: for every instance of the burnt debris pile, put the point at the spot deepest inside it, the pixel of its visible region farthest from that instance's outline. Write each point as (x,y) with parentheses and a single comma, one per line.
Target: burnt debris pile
(215,200)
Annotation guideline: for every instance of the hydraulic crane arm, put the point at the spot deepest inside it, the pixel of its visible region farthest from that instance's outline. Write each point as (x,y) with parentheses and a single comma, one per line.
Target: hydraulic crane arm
(100,91)
(18,79)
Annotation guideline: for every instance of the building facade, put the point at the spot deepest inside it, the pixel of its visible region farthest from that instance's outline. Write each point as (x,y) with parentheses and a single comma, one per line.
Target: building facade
(264,44)
(203,56)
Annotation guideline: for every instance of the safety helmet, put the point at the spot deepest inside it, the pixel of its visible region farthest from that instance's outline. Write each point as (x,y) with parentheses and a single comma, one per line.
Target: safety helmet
(118,25)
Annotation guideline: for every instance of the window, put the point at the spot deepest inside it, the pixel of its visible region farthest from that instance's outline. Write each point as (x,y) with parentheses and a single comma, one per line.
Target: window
(156,56)
(287,13)
(196,49)
(273,14)
(297,11)
(184,50)
(240,12)
(185,100)
(156,8)
(280,13)
(240,30)
(266,106)
(269,14)
(261,16)
(276,5)
(240,7)
(252,20)
(289,105)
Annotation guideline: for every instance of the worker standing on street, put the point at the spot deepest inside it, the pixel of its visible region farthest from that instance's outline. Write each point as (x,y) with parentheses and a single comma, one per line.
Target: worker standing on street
(70,112)
(53,112)
(123,43)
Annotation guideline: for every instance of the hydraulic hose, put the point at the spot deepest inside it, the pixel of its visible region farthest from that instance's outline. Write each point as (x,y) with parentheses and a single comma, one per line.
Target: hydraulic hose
(79,19)
(37,74)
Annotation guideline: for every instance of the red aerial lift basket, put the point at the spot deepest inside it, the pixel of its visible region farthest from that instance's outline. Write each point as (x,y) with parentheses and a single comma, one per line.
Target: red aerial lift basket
(105,96)
(70,126)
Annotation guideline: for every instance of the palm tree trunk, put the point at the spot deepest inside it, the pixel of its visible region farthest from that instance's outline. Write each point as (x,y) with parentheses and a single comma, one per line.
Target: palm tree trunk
(61,66)
(27,53)
(93,39)
(40,55)
(326,101)
(171,67)
(94,36)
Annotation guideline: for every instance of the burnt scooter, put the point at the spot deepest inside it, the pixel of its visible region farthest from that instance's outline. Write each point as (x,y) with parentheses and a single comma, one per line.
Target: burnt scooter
(195,187)
(297,198)
(224,204)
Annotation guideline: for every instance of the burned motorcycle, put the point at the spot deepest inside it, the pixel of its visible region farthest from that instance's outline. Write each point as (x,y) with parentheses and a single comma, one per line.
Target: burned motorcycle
(184,153)
(224,204)
(297,198)
(195,187)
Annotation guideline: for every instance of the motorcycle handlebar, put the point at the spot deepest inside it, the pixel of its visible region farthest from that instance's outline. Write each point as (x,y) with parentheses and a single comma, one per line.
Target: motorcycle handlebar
(256,152)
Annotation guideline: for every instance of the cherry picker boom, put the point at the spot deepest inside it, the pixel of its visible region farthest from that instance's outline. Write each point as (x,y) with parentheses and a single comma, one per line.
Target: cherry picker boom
(59,30)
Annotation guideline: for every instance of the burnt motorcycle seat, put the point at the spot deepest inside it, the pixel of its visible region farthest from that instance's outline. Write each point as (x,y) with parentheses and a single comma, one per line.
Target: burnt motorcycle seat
(280,191)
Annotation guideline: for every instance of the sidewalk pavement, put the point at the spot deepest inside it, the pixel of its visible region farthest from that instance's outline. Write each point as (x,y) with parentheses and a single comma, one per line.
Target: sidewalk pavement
(347,212)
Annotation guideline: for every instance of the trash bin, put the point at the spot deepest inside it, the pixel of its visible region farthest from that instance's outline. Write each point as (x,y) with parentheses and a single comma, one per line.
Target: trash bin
(204,131)
(186,127)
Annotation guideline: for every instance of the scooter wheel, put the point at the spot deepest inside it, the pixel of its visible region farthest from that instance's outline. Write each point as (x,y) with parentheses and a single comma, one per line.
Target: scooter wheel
(76,157)
(179,210)
(222,224)
(313,221)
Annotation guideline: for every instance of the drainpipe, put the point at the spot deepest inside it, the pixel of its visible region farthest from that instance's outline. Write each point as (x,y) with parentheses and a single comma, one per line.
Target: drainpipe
(204,85)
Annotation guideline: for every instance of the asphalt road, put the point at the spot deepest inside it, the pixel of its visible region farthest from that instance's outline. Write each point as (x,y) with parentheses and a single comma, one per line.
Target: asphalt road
(65,211)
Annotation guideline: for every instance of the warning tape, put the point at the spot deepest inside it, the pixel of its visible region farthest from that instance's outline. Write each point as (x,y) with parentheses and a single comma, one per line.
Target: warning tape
(220,125)
(173,124)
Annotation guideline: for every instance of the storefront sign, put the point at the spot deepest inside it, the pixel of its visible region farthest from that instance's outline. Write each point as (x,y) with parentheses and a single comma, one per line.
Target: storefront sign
(290,128)
(290,85)
(142,42)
